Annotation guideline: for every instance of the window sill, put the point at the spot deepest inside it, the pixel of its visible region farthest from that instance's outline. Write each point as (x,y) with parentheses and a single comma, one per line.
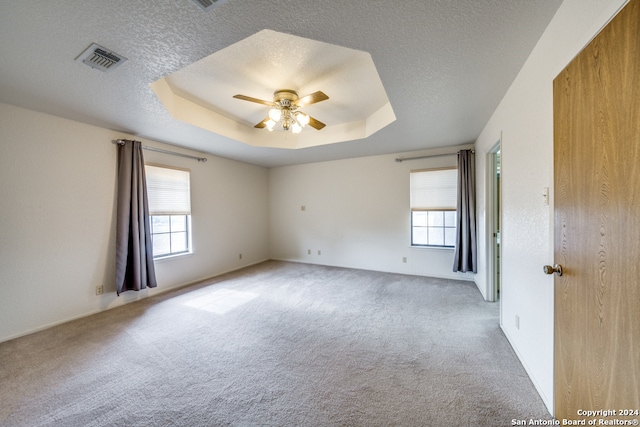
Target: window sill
(171,257)
(437,248)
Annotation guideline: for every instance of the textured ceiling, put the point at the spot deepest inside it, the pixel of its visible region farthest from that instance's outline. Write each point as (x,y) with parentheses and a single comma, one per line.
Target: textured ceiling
(444,64)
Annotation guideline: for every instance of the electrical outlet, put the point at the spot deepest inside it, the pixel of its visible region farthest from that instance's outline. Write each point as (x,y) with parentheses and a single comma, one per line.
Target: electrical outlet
(308,251)
(404,259)
(517,322)
(99,290)
(319,252)
(303,208)
(239,256)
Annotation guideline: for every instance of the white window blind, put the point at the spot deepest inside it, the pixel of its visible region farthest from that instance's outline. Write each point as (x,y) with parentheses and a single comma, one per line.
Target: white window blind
(168,190)
(434,189)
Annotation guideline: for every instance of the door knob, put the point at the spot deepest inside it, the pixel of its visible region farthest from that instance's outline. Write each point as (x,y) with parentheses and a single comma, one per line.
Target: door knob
(555,269)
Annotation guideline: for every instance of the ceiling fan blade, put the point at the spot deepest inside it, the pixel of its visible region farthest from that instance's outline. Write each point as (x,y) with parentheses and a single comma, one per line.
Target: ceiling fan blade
(311,99)
(316,124)
(259,101)
(262,124)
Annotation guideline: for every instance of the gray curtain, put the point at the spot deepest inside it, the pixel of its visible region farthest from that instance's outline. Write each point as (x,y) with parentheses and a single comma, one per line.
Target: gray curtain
(134,256)
(465,258)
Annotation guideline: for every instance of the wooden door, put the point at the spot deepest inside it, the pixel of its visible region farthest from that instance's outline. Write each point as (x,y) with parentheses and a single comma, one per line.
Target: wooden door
(597,224)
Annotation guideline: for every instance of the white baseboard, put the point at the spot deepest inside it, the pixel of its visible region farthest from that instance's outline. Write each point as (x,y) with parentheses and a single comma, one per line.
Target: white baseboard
(124,301)
(548,401)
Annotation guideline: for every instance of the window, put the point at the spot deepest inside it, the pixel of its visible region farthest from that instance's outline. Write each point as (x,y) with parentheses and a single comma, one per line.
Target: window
(433,207)
(169,195)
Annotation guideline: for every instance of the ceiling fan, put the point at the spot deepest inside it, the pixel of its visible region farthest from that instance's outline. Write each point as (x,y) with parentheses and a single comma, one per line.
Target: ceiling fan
(285,110)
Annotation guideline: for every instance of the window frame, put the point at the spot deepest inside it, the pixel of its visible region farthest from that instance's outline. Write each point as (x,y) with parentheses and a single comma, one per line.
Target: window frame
(427,227)
(443,209)
(186,215)
(187,231)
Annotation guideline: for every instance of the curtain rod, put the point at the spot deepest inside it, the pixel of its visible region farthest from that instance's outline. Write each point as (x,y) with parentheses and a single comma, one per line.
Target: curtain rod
(400,160)
(159,150)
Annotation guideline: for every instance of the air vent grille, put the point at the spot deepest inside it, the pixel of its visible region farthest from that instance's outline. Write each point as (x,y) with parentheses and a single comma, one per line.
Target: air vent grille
(207,5)
(101,58)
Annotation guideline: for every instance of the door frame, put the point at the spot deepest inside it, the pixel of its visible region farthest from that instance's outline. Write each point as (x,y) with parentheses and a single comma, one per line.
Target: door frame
(494,199)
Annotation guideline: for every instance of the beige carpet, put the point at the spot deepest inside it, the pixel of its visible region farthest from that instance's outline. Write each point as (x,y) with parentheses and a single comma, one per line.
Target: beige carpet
(277,344)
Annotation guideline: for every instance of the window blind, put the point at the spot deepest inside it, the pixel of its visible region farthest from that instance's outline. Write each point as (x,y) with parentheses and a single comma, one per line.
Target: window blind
(434,189)
(168,190)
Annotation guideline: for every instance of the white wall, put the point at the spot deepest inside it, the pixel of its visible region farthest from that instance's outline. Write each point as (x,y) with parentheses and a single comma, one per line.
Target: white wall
(57,220)
(525,119)
(356,214)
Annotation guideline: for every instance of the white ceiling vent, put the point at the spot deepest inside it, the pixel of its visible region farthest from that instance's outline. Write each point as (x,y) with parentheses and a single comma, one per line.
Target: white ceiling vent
(101,58)
(207,5)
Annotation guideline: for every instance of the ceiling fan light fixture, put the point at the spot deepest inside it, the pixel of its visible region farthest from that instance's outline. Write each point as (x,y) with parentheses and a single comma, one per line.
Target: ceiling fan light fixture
(270,124)
(302,118)
(275,114)
(284,112)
